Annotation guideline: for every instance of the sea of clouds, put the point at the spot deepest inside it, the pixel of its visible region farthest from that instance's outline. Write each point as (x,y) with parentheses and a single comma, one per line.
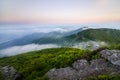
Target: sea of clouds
(10,32)
(90,45)
(26,48)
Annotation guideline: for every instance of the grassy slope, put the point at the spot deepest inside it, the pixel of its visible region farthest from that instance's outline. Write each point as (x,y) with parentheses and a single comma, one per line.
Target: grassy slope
(34,65)
(0,75)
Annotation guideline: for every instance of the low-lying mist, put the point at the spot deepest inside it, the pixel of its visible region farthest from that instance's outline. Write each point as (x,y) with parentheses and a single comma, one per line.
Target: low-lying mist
(26,48)
(11,32)
(91,45)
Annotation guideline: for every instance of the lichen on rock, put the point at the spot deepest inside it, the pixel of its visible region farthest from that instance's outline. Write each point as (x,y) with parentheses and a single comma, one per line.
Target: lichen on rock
(83,69)
(9,73)
(111,55)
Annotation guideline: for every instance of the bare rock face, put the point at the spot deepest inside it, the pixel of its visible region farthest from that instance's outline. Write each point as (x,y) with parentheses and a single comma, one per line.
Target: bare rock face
(94,68)
(81,69)
(9,73)
(80,64)
(62,74)
(111,55)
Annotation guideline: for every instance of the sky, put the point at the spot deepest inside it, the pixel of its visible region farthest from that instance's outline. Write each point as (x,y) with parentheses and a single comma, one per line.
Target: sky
(59,11)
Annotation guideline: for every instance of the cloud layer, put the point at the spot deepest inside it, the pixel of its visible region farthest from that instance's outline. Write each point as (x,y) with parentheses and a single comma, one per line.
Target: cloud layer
(26,48)
(92,45)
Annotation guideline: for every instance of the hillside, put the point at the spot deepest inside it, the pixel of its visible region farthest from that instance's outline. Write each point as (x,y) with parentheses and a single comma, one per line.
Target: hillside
(107,35)
(41,38)
(67,38)
(34,65)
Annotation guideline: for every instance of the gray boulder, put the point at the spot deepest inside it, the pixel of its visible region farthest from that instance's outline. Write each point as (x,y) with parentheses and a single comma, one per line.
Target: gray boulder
(94,68)
(111,55)
(80,64)
(62,74)
(81,69)
(9,73)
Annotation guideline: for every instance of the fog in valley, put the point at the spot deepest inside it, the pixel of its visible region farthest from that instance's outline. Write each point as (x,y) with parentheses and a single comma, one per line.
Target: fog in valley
(90,45)
(11,32)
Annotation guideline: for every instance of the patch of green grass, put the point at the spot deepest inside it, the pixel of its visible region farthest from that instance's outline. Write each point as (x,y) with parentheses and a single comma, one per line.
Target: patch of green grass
(106,77)
(114,46)
(33,65)
(0,75)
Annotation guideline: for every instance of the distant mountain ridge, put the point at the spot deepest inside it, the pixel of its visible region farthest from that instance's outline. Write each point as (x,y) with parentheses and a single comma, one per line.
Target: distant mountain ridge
(67,38)
(102,34)
(62,64)
(39,38)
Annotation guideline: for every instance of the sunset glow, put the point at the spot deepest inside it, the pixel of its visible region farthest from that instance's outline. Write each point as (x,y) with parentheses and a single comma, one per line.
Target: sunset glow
(59,11)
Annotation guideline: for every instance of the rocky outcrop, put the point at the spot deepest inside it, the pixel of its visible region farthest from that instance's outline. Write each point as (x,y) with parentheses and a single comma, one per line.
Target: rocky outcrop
(82,69)
(9,73)
(111,55)
(80,64)
(62,74)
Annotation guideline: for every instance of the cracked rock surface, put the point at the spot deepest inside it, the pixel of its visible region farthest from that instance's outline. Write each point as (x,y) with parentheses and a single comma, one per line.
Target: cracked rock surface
(111,55)
(9,73)
(81,69)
